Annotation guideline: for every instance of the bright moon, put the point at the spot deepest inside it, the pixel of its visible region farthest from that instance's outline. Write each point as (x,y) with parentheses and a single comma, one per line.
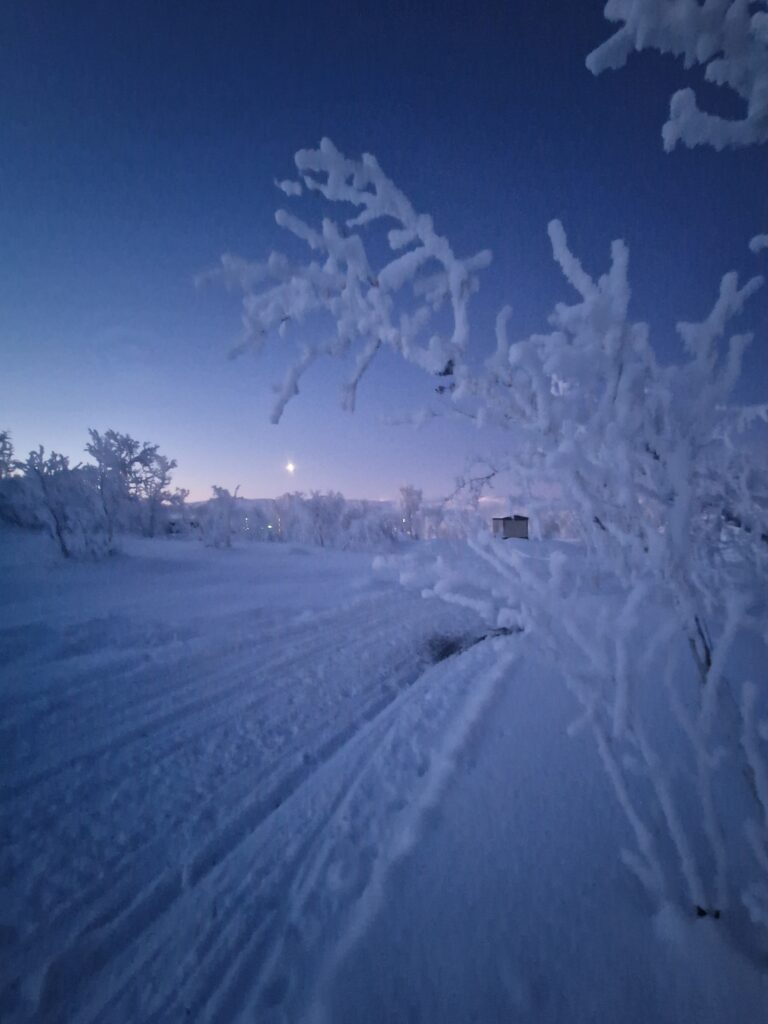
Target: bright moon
(290,467)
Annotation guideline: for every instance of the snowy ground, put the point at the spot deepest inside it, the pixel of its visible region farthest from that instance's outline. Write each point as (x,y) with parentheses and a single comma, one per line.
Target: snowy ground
(236,785)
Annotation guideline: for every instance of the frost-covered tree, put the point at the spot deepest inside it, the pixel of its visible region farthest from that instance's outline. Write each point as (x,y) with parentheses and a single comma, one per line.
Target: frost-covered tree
(646,460)
(114,456)
(178,499)
(293,520)
(654,467)
(63,501)
(6,454)
(133,480)
(368,524)
(433,521)
(729,38)
(325,520)
(325,513)
(217,517)
(410,505)
(177,518)
(254,520)
(154,489)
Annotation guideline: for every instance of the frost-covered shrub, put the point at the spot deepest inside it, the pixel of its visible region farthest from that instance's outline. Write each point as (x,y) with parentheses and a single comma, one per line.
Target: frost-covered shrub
(369,525)
(155,494)
(411,499)
(648,465)
(326,512)
(6,455)
(114,457)
(253,520)
(329,520)
(292,517)
(125,488)
(324,520)
(63,501)
(17,506)
(133,480)
(176,516)
(217,518)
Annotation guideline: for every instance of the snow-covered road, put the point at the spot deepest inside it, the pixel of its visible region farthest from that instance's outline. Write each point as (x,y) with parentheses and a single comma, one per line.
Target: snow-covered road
(210,761)
(249,785)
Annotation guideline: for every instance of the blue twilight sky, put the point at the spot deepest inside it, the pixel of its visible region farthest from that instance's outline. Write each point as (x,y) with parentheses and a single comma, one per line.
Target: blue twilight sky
(140,141)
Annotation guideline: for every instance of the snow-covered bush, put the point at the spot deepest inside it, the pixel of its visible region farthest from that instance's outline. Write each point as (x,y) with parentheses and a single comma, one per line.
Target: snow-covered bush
(125,488)
(16,503)
(326,512)
(329,520)
(254,520)
(6,454)
(217,518)
(369,525)
(292,517)
(411,499)
(63,501)
(154,491)
(323,520)
(449,520)
(133,481)
(114,456)
(647,463)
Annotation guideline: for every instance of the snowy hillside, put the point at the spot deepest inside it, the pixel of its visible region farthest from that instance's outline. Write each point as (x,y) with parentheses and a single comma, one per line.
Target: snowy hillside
(256,784)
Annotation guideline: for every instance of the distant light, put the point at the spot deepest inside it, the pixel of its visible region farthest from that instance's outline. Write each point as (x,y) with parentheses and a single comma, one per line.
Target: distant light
(290,467)
(269,526)
(403,520)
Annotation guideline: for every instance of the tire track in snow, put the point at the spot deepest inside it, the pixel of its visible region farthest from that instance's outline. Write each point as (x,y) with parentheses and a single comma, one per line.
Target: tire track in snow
(312,746)
(101,943)
(122,917)
(64,683)
(140,727)
(278,898)
(133,640)
(106,889)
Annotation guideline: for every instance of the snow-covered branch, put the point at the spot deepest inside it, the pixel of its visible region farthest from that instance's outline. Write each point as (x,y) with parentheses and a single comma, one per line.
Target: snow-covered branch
(645,459)
(414,302)
(728,37)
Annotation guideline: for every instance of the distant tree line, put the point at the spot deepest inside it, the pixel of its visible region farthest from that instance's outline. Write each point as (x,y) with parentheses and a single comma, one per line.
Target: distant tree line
(126,489)
(324,519)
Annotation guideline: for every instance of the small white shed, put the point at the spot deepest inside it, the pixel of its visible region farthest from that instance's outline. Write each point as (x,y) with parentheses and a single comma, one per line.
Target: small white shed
(510,526)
